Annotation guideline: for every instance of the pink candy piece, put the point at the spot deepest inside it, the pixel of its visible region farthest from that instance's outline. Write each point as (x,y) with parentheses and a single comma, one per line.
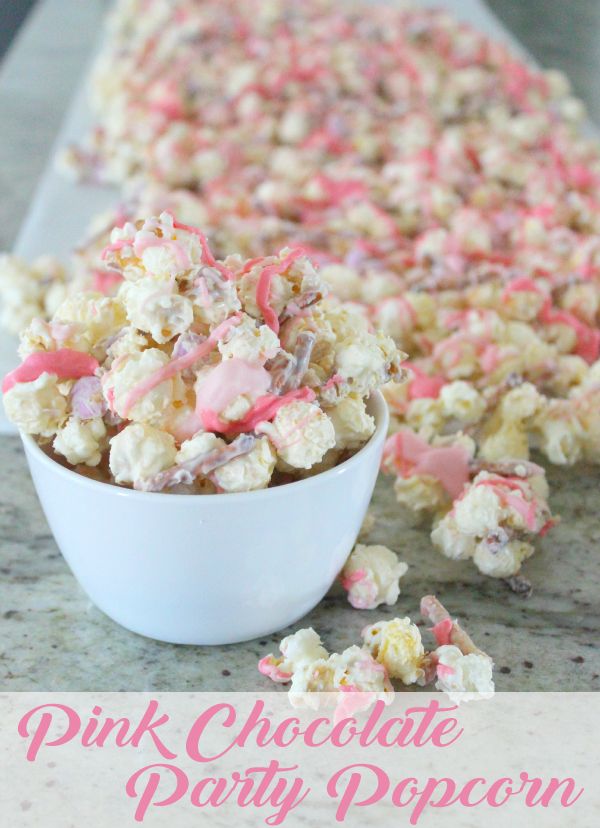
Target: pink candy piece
(588,339)
(267,667)
(87,400)
(410,455)
(228,380)
(180,364)
(105,281)
(336,379)
(263,410)
(421,385)
(65,363)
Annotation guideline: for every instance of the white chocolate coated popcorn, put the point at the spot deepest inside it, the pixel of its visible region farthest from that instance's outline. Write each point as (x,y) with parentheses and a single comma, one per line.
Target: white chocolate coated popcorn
(301,434)
(250,472)
(397,645)
(352,424)
(81,441)
(175,352)
(140,451)
(371,575)
(36,407)
(463,677)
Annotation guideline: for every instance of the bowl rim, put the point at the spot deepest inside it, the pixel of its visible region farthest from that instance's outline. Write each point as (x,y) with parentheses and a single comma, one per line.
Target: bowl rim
(380,412)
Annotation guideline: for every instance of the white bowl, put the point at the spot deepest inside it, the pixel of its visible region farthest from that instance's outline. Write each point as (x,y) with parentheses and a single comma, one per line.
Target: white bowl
(208,569)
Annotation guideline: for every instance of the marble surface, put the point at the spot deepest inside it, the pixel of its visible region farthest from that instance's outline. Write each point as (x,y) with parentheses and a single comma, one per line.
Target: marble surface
(51,638)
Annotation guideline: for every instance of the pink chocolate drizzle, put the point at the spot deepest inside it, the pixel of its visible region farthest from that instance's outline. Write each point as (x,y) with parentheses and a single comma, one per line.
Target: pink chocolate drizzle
(64,363)
(263,288)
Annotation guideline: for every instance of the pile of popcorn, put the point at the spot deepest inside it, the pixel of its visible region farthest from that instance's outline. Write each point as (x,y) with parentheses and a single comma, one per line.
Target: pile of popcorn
(391,651)
(200,375)
(441,185)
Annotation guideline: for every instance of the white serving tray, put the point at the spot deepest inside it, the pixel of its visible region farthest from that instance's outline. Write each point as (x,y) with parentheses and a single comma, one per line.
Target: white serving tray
(61,210)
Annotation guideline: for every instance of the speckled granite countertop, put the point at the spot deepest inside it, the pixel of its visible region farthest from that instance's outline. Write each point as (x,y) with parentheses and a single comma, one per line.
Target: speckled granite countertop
(52,638)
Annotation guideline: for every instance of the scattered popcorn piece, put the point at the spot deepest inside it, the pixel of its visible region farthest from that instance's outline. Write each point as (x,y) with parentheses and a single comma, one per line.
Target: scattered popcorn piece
(358,676)
(372,576)
(397,645)
(463,671)
(492,519)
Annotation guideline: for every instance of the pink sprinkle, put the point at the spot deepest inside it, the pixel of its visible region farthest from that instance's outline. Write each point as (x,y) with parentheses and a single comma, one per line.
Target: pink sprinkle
(65,363)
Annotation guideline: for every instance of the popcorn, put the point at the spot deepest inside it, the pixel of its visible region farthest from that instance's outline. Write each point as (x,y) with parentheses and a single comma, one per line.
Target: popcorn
(302,434)
(223,397)
(462,670)
(308,666)
(466,230)
(352,425)
(81,441)
(371,575)
(398,647)
(501,560)
(128,373)
(28,291)
(492,519)
(463,677)
(37,407)
(249,472)
(250,342)
(302,648)
(359,676)
(155,309)
(461,402)
(559,433)
(140,451)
